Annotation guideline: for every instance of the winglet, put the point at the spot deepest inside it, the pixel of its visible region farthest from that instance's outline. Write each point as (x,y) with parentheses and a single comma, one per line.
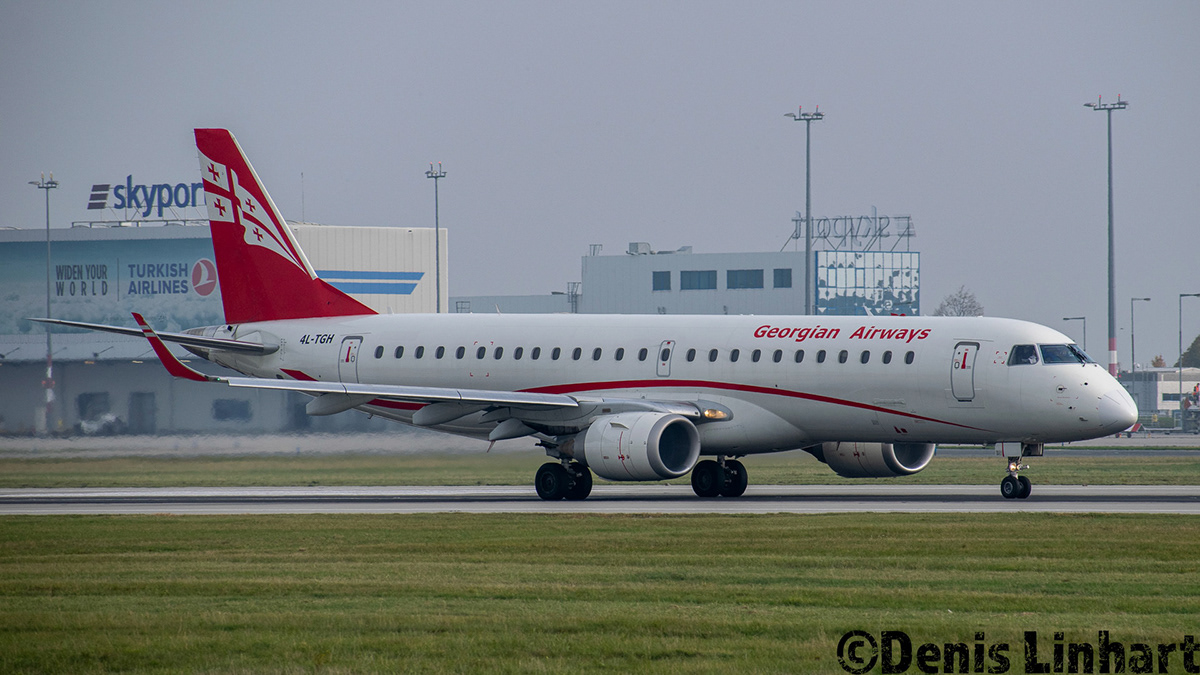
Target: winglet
(173,365)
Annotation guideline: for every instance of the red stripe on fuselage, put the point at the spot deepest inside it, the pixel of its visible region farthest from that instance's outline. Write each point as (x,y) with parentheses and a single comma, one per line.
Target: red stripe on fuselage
(729,386)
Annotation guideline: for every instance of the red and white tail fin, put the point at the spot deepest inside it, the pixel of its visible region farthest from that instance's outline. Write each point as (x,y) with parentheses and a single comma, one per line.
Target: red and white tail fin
(263,273)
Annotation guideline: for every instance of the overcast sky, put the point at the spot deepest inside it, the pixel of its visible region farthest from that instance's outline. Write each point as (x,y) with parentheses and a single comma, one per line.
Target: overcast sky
(565,124)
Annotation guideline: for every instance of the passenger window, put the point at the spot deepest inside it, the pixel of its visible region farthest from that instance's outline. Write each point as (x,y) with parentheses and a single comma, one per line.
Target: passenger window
(691,355)
(756,355)
(866,356)
(712,355)
(535,353)
(439,352)
(665,355)
(555,353)
(1023,355)
(481,352)
(596,354)
(379,352)
(620,354)
(518,353)
(499,351)
(399,352)
(887,357)
(821,356)
(778,356)
(576,353)
(799,356)
(843,356)
(909,357)
(460,352)
(734,354)
(642,354)
(419,352)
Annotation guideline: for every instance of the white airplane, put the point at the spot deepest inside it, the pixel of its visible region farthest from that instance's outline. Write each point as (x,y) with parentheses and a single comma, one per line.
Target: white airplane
(636,397)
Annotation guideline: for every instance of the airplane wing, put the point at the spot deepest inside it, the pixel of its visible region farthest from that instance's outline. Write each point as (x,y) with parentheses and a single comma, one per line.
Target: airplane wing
(181,338)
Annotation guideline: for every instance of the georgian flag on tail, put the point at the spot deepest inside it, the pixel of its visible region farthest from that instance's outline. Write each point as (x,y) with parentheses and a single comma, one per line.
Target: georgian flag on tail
(229,201)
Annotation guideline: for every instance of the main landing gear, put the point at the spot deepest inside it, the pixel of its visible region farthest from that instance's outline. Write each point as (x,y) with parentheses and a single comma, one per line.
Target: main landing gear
(1015,486)
(563,480)
(722,478)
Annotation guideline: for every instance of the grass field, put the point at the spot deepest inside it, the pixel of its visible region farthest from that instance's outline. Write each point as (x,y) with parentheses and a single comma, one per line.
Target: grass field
(529,593)
(517,468)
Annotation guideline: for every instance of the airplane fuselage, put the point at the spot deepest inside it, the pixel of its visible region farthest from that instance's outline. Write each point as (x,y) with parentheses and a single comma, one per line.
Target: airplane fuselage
(789,381)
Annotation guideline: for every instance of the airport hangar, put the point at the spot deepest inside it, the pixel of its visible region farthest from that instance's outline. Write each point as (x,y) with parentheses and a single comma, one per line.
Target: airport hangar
(101,271)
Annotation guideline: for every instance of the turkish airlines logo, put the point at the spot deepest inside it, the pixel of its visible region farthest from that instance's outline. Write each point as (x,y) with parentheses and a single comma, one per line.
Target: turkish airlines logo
(204,277)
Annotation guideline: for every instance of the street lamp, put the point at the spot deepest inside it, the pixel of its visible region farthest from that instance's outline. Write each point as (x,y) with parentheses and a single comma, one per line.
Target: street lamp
(1112,289)
(48,383)
(437,237)
(1181,297)
(1132,353)
(809,268)
(1084,320)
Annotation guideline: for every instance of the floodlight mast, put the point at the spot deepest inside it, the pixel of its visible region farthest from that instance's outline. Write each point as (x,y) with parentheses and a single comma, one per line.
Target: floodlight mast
(437,237)
(1084,320)
(48,383)
(1112,291)
(809,267)
(1132,349)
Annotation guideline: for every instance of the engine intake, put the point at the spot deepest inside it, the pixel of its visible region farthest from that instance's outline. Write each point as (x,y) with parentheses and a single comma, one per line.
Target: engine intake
(637,446)
(874,460)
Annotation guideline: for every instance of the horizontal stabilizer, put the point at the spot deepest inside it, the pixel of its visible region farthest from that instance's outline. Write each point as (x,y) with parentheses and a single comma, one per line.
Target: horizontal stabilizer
(181,338)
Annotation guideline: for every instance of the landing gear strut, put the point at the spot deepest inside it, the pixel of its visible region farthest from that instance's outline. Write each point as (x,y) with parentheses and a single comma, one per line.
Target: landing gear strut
(725,478)
(1015,486)
(563,480)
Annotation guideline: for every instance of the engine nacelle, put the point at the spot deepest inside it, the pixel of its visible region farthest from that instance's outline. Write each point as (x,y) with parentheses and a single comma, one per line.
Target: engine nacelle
(637,446)
(875,460)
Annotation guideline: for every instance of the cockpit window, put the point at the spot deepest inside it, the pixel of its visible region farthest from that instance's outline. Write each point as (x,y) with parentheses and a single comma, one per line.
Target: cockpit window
(1023,355)
(1064,354)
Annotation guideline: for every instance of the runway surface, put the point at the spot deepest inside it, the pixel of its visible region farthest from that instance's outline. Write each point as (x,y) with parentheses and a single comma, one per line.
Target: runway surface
(605,499)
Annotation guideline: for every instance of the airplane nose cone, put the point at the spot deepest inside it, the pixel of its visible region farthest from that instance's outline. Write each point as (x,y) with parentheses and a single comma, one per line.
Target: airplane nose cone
(1117,410)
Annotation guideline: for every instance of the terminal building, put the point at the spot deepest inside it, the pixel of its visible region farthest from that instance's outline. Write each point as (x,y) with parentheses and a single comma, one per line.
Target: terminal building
(101,272)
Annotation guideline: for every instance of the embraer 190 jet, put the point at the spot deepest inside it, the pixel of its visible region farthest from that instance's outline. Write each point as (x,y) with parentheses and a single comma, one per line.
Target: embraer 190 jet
(636,397)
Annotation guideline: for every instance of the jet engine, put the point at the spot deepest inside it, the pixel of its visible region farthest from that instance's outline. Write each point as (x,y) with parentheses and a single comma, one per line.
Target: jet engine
(874,460)
(637,446)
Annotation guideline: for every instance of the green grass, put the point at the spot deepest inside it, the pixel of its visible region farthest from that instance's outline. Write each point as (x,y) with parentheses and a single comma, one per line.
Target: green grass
(545,593)
(517,468)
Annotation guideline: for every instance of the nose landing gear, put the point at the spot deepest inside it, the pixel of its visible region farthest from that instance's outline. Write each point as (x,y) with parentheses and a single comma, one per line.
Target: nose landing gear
(1015,486)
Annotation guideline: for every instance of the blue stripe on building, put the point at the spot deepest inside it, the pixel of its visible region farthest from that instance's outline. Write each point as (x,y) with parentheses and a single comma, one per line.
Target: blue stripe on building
(392,288)
(382,276)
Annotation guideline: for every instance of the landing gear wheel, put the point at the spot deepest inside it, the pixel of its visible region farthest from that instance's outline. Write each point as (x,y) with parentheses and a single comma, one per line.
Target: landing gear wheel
(1026,487)
(552,481)
(735,479)
(581,483)
(1010,487)
(708,478)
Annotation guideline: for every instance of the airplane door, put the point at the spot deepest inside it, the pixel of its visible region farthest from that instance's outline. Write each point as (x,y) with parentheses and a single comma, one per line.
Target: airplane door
(348,359)
(664,357)
(962,371)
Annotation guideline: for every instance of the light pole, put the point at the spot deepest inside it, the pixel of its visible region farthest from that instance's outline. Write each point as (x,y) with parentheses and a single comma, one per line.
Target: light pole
(1132,352)
(1084,320)
(48,383)
(1112,290)
(437,237)
(809,268)
(1181,297)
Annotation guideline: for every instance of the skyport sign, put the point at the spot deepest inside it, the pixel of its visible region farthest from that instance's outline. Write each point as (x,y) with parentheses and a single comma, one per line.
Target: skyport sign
(146,198)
